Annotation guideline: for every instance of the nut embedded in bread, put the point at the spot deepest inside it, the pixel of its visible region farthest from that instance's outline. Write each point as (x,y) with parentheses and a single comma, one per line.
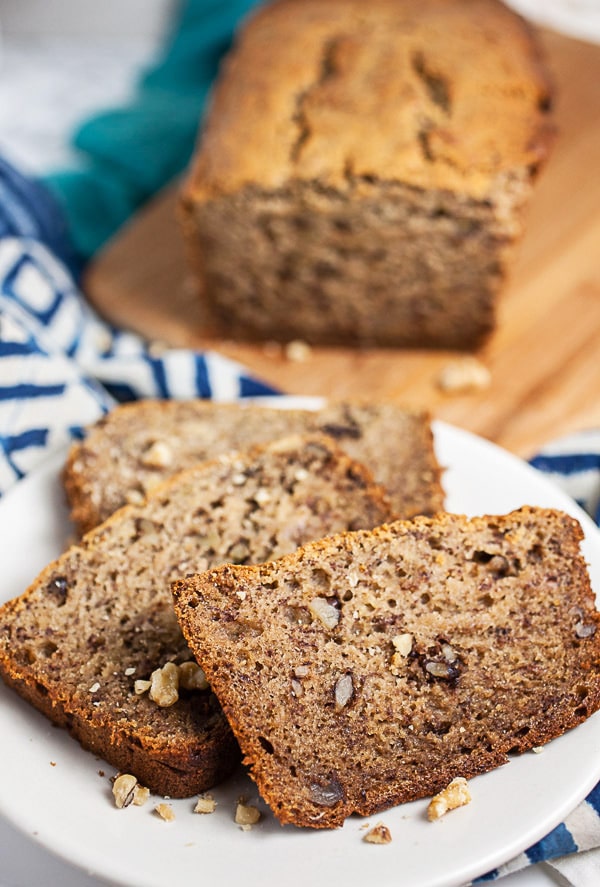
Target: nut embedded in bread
(456,642)
(367,185)
(99,620)
(138,445)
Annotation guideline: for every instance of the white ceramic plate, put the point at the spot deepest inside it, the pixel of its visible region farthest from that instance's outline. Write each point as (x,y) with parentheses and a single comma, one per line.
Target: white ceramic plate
(51,788)
(576,18)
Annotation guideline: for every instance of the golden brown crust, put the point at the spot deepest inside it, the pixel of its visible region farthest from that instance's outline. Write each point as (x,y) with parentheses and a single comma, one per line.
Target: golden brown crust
(367,186)
(456,643)
(434,94)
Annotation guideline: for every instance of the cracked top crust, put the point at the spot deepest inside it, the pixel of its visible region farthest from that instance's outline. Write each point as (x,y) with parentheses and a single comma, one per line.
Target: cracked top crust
(436,94)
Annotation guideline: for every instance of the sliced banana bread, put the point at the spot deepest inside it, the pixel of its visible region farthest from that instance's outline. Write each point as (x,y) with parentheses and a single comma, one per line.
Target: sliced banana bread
(137,445)
(101,617)
(371,668)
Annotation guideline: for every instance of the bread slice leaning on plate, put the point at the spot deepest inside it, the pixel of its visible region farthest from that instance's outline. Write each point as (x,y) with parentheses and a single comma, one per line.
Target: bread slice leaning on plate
(100,619)
(371,668)
(138,445)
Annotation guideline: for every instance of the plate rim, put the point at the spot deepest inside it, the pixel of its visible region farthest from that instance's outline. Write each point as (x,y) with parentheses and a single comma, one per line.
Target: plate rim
(48,472)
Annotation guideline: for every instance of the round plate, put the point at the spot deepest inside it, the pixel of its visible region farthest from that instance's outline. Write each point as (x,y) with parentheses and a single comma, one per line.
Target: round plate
(61,794)
(576,18)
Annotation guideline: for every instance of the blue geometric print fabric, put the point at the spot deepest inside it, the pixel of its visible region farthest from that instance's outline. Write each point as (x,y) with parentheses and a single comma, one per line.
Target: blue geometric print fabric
(573,463)
(578,833)
(61,366)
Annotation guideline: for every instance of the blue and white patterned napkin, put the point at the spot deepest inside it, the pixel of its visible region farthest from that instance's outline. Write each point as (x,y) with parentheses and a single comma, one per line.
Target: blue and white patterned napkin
(62,367)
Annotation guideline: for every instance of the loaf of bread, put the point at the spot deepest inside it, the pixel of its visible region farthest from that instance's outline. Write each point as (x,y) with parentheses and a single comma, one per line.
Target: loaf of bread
(100,618)
(138,445)
(363,169)
(372,668)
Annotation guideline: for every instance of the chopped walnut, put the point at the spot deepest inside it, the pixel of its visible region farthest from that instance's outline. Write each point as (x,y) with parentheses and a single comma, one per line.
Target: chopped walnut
(164,684)
(456,794)
(403,643)
(297,351)
(205,804)
(344,690)
(158,455)
(379,834)
(446,671)
(246,815)
(140,795)
(324,612)
(124,790)
(192,677)
(165,811)
(464,375)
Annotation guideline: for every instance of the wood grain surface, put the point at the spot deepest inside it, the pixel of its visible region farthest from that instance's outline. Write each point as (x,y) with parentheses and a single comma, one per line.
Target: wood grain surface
(544,358)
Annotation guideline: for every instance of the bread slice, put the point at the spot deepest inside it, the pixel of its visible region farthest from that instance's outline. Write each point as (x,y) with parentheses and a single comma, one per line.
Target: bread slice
(101,616)
(137,445)
(371,668)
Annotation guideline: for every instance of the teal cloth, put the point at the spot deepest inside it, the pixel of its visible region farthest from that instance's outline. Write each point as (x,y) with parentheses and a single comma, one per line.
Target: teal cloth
(130,153)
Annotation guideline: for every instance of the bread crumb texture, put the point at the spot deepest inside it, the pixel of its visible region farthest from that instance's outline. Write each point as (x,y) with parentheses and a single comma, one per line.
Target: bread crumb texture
(94,643)
(456,643)
(116,463)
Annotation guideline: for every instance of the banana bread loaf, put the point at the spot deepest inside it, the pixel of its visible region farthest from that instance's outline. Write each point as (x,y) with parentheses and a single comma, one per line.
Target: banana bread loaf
(363,169)
(416,653)
(101,617)
(137,445)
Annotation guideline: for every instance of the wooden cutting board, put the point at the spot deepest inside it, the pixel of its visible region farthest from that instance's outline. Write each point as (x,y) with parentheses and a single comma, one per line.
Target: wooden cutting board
(544,358)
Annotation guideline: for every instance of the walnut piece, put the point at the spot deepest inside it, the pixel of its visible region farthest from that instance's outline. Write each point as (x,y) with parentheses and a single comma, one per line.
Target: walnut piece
(297,351)
(379,834)
(164,685)
(344,690)
(403,643)
(123,790)
(165,811)
(127,790)
(324,612)
(158,455)
(192,677)
(246,815)
(205,804)
(140,795)
(464,375)
(456,794)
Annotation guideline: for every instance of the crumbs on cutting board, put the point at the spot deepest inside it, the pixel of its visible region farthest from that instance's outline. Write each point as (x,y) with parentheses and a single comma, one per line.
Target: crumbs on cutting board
(464,375)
